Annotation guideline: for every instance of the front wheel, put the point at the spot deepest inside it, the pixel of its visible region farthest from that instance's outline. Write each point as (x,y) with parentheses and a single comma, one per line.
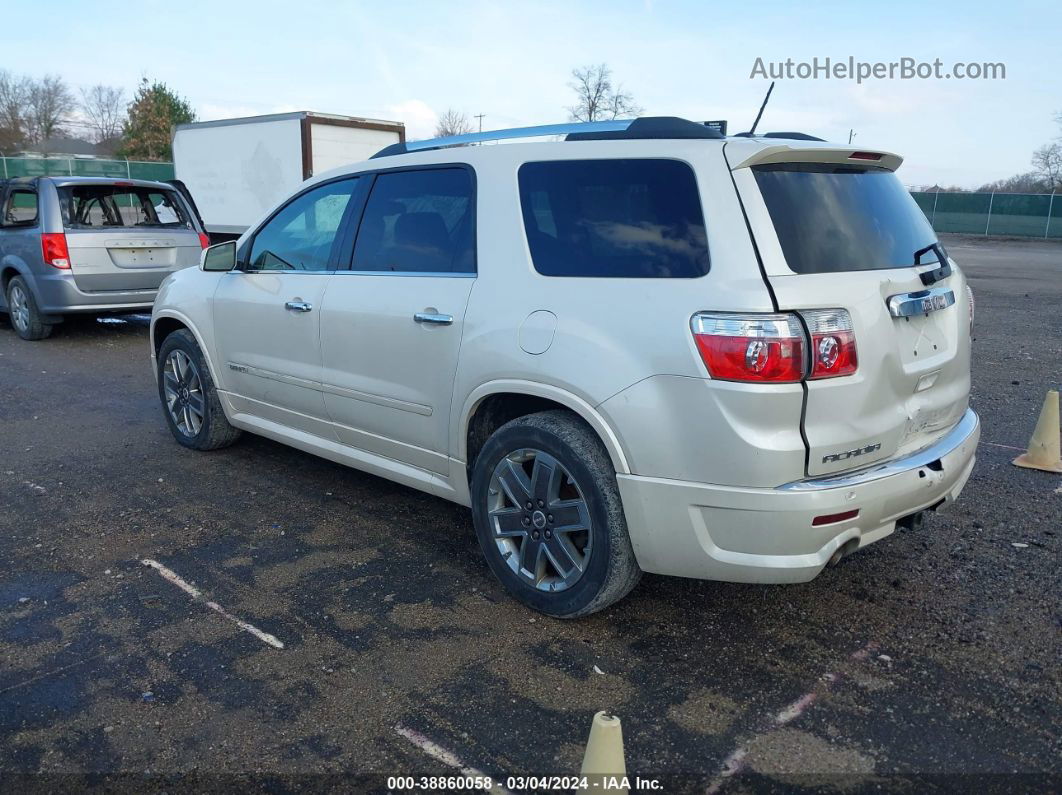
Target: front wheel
(549,518)
(189,400)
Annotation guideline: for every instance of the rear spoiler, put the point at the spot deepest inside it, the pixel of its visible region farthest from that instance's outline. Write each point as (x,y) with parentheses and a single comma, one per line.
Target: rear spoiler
(784,153)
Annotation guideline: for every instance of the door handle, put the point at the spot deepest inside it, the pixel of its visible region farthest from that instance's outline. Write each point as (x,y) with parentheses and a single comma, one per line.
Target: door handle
(433,317)
(298,306)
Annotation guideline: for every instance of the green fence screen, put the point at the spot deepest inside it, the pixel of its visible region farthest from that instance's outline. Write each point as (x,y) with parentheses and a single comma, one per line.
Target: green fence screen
(83,167)
(1010,214)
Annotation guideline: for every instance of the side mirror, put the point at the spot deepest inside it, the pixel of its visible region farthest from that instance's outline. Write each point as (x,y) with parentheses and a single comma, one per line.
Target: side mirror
(221,257)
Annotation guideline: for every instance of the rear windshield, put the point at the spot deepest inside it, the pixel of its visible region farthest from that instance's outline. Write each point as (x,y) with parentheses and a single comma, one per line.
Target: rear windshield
(614,218)
(110,206)
(833,218)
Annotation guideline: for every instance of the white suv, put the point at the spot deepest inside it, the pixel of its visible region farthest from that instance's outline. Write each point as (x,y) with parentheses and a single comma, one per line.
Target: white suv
(643,347)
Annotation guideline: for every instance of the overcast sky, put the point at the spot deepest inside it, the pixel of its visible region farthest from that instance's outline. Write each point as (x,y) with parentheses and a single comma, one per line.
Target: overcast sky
(511,60)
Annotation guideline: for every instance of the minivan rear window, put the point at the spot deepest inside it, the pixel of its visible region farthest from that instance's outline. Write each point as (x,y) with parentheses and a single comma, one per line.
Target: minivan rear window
(614,218)
(834,218)
(110,206)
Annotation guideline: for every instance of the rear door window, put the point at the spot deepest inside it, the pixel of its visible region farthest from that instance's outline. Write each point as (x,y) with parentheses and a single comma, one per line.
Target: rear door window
(121,206)
(833,218)
(418,222)
(20,208)
(614,219)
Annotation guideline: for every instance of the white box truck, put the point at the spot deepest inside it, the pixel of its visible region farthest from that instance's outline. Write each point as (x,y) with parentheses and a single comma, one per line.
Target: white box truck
(237,169)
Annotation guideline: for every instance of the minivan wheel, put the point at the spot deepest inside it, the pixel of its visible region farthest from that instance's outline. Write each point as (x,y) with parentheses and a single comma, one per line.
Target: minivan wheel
(189,400)
(549,518)
(23,311)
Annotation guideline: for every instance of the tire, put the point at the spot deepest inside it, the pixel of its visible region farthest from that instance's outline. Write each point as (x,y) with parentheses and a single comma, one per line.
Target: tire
(183,376)
(23,312)
(558,557)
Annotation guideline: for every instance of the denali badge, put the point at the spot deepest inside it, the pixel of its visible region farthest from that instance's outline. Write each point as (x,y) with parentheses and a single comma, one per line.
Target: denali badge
(870,448)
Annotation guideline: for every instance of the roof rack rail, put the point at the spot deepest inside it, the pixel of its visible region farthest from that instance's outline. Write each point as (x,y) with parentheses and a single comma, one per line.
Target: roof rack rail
(618,129)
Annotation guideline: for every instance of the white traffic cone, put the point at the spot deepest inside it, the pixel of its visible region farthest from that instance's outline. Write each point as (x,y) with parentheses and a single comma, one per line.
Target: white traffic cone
(1045,450)
(603,762)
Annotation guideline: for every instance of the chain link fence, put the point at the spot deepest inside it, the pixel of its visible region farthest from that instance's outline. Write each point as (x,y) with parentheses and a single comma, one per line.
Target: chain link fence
(1011,214)
(83,167)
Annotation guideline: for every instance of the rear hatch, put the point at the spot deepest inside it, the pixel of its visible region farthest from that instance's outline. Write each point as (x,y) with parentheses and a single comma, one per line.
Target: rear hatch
(837,230)
(125,236)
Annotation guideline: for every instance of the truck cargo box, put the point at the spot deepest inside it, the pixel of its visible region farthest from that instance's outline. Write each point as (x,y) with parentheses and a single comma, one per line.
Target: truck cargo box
(237,169)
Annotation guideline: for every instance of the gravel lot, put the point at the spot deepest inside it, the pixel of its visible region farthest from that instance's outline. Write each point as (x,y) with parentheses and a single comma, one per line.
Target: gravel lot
(933,655)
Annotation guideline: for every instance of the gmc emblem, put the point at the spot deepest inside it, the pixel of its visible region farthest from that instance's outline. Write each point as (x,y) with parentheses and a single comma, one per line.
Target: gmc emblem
(833,457)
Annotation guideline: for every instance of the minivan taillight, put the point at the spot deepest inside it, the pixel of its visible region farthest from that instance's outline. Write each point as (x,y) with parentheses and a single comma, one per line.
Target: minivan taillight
(53,247)
(833,345)
(763,348)
(204,240)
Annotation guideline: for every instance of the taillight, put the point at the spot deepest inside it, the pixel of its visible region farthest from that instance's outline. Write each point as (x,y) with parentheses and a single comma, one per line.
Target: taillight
(833,345)
(53,247)
(763,348)
(970,298)
(204,240)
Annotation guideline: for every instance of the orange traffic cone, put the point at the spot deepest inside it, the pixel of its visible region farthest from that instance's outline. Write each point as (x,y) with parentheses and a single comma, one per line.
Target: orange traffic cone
(1045,450)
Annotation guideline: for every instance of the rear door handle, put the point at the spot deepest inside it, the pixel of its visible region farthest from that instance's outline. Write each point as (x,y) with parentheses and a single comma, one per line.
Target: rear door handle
(433,317)
(298,306)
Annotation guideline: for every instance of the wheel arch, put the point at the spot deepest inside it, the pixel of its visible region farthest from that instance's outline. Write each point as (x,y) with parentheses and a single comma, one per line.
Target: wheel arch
(520,398)
(10,267)
(168,321)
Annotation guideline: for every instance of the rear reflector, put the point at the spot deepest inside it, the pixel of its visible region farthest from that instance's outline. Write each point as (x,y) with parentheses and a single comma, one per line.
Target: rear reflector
(833,345)
(54,250)
(864,156)
(833,518)
(758,348)
(204,240)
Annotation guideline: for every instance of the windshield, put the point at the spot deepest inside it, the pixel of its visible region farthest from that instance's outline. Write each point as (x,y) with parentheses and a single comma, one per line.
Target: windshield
(110,206)
(831,218)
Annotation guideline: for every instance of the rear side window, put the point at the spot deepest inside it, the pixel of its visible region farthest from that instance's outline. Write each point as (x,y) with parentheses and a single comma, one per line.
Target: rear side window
(418,222)
(637,219)
(20,208)
(833,218)
(110,206)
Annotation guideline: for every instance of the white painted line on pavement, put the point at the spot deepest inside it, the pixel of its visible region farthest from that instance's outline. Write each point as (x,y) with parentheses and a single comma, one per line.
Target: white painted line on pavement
(440,754)
(735,762)
(174,578)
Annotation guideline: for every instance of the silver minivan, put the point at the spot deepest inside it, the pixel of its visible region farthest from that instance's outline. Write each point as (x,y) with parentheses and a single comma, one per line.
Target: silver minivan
(89,245)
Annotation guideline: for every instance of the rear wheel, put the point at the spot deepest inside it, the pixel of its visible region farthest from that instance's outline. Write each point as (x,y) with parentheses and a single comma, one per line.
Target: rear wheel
(189,399)
(24,314)
(549,518)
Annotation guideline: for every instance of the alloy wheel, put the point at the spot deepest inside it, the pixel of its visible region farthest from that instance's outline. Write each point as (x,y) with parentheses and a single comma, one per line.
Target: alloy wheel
(19,307)
(539,520)
(184,393)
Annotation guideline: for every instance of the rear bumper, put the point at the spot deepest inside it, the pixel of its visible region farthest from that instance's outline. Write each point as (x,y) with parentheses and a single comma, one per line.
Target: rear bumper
(766,535)
(58,294)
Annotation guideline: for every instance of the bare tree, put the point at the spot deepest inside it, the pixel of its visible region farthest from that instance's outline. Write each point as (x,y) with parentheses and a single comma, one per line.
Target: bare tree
(1029,182)
(14,96)
(596,98)
(104,107)
(452,122)
(49,105)
(1047,164)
